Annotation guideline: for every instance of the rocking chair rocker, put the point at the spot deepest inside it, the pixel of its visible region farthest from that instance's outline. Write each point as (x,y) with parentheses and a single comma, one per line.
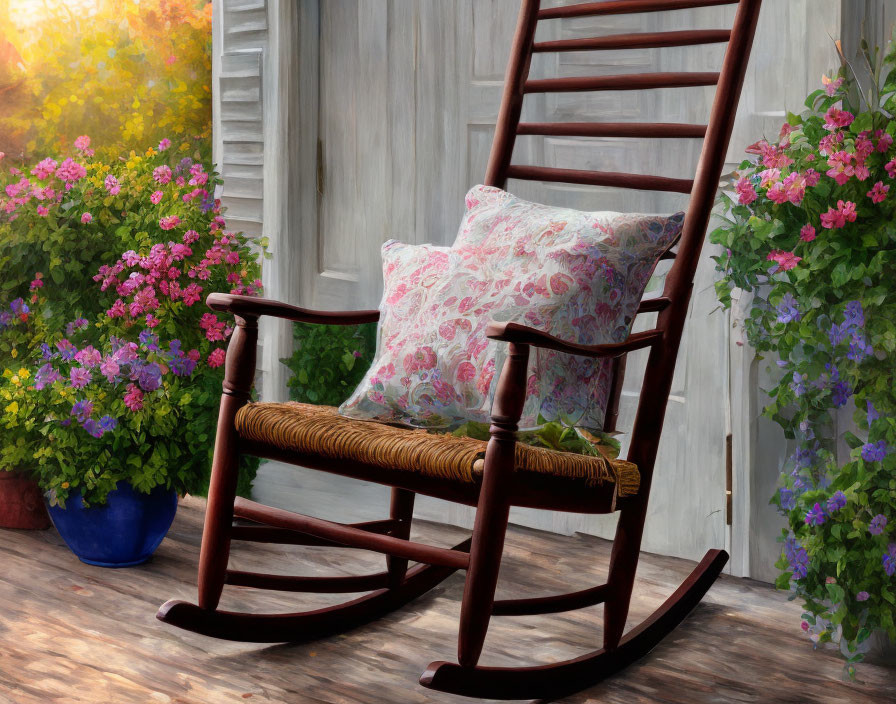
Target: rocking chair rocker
(319,438)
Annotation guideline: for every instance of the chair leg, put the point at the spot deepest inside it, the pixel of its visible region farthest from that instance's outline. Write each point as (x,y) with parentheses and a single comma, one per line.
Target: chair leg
(482,575)
(621,578)
(215,551)
(493,508)
(402,510)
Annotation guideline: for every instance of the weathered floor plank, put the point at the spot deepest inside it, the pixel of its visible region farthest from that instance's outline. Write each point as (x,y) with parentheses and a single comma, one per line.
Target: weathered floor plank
(74,633)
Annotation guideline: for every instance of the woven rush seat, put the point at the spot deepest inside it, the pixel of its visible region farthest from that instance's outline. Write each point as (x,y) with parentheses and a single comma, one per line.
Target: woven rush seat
(320,430)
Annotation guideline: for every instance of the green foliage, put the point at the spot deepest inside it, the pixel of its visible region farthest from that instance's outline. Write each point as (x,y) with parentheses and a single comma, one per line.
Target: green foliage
(329,361)
(811,233)
(553,436)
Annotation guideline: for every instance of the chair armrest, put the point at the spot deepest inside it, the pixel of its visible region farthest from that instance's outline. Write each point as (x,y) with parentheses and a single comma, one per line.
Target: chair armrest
(252,307)
(524,335)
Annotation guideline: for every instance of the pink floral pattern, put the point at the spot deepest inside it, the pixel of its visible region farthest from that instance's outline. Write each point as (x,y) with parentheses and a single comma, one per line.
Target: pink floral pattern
(576,275)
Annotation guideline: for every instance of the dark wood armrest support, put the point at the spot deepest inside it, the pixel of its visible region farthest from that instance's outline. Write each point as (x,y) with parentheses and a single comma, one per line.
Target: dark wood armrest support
(523,335)
(252,307)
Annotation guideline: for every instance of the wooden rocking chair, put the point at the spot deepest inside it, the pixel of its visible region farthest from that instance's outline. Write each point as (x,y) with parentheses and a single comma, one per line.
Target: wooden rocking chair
(413,462)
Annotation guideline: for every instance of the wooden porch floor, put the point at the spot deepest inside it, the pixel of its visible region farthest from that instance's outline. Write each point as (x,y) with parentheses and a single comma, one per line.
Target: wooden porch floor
(70,632)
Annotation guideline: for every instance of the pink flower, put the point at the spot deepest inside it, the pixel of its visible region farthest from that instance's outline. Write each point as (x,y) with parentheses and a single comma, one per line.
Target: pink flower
(117,310)
(807,233)
(110,369)
(890,166)
(82,142)
(812,177)
(884,141)
(841,167)
(190,236)
(162,174)
(70,171)
(217,357)
(769,177)
(232,258)
(777,193)
(164,144)
(86,218)
(745,191)
(191,294)
(169,222)
(878,192)
(836,118)
(79,377)
(847,209)
(133,399)
(89,356)
(831,87)
(156,197)
(42,210)
(44,169)
(785,260)
(151,320)
(834,218)
(112,185)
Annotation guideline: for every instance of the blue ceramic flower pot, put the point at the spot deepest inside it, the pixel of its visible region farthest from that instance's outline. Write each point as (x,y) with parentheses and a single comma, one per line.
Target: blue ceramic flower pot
(123,532)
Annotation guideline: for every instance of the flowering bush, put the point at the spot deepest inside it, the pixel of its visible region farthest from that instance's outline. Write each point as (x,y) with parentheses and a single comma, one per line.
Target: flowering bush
(810,231)
(112,363)
(124,71)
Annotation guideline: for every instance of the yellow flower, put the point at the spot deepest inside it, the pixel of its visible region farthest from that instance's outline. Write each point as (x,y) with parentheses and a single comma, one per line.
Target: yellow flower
(65,485)
(24,373)
(15,380)
(14,353)
(13,408)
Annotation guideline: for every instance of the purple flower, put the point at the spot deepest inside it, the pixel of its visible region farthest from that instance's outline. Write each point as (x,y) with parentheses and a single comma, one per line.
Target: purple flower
(785,498)
(66,350)
(859,348)
(108,423)
(872,414)
(5,319)
(78,324)
(92,427)
(797,557)
(787,310)
(890,560)
(862,596)
(79,377)
(836,502)
(46,351)
(874,451)
(45,376)
(149,377)
(854,316)
(149,340)
(837,334)
(81,410)
(877,525)
(19,307)
(840,394)
(798,385)
(815,516)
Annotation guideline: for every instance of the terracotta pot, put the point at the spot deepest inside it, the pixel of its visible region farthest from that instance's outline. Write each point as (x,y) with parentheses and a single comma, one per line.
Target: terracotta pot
(21,503)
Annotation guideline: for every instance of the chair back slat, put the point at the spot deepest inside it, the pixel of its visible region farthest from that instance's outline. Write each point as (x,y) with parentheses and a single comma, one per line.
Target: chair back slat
(600,178)
(628,81)
(671,307)
(641,40)
(650,130)
(625,7)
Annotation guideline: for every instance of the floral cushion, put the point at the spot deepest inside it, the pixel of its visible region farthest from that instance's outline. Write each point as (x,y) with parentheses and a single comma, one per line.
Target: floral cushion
(576,275)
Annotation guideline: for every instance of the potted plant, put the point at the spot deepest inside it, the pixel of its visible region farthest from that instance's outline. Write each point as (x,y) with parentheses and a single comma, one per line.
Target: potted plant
(110,385)
(809,229)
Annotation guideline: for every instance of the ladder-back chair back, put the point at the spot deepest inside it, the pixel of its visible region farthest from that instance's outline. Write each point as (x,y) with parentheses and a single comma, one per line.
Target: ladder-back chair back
(323,440)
